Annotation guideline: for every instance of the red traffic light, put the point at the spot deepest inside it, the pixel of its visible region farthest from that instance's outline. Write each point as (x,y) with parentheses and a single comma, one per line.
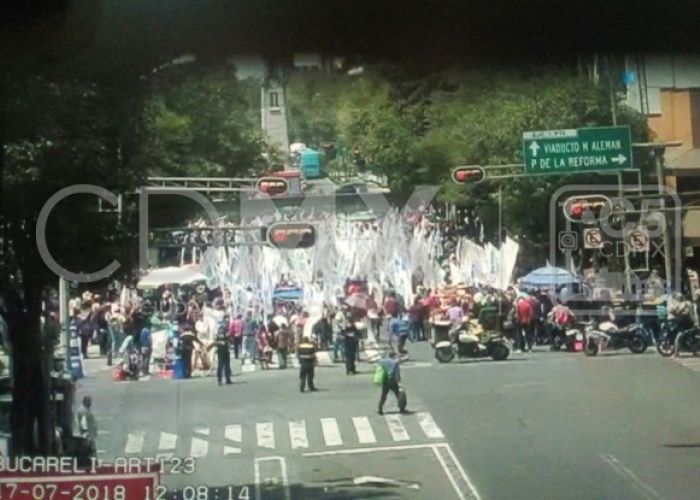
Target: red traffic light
(291,235)
(272,186)
(468,175)
(587,209)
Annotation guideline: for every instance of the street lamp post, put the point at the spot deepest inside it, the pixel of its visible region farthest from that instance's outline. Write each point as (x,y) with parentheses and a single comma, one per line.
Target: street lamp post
(658,150)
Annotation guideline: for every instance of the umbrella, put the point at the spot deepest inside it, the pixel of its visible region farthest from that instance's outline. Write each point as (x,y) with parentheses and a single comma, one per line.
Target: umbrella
(549,276)
(358,301)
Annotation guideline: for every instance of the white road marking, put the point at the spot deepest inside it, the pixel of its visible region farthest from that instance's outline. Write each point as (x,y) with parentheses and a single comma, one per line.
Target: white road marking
(168,441)
(448,473)
(294,362)
(266,435)
(204,431)
(233,432)
(354,451)
(134,442)
(297,434)
(644,489)
(520,385)
(431,429)
(472,488)
(199,448)
(384,480)
(398,431)
(103,431)
(248,367)
(283,473)
(457,469)
(365,434)
(324,358)
(331,432)
(101,452)
(372,355)
(145,378)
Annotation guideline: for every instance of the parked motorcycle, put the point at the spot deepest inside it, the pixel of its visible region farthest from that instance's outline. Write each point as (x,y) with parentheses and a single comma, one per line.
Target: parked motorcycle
(465,342)
(134,368)
(566,338)
(690,342)
(630,337)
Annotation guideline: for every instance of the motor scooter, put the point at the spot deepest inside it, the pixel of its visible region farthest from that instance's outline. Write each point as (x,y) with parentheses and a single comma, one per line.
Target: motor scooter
(470,341)
(565,338)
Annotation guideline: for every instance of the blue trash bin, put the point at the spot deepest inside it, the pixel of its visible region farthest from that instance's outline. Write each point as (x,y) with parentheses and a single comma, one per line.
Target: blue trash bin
(178,368)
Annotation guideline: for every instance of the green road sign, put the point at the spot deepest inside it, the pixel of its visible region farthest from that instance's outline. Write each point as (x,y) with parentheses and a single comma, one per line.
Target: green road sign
(577,150)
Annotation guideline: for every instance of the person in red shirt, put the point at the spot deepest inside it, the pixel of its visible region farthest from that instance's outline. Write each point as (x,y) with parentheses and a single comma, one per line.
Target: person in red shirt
(391,305)
(415,317)
(390,308)
(525,317)
(235,332)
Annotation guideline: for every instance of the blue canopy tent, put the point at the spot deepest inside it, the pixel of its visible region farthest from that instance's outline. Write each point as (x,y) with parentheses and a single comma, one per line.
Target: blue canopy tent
(549,277)
(289,294)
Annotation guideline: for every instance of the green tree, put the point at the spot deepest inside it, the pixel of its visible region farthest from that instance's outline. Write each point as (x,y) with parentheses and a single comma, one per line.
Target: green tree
(198,123)
(484,126)
(76,138)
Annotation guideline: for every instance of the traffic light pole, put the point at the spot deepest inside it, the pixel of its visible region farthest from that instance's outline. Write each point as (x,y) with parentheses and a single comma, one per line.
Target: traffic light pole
(628,268)
(661,180)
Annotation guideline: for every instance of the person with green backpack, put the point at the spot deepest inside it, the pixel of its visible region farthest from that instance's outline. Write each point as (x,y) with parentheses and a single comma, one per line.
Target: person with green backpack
(388,375)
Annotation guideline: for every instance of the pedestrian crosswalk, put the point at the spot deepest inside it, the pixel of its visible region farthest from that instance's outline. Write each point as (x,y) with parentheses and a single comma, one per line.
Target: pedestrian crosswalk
(286,435)
(692,363)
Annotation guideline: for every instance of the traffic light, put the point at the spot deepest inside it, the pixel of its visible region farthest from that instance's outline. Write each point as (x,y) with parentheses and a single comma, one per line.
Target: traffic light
(587,209)
(468,174)
(291,235)
(272,186)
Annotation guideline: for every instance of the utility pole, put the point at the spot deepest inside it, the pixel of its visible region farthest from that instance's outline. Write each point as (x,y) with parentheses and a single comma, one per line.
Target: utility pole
(613,105)
(658,153)
(64,318)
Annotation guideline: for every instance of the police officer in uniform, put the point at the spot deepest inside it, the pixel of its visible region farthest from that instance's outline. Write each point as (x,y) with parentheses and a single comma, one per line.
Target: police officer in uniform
(306,352)
(223,353)
(351,339)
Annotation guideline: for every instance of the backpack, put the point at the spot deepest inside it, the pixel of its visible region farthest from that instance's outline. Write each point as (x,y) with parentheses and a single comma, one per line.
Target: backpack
(524,311)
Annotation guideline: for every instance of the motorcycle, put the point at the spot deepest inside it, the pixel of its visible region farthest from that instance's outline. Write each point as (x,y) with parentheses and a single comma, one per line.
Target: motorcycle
(690,342)
(467,342)
(631,337)
(134,367)
(565,338)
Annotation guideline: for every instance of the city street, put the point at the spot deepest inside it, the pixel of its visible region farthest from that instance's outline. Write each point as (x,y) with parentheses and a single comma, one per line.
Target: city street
(539,425)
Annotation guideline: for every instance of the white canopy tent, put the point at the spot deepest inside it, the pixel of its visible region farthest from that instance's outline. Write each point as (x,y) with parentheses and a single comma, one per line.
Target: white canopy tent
(171,276)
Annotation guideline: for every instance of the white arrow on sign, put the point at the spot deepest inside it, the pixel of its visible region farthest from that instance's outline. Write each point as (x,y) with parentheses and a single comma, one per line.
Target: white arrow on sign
(620,159)
(534,147)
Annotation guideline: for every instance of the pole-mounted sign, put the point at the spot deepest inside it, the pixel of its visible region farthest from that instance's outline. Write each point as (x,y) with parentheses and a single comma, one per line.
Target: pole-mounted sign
(577,150)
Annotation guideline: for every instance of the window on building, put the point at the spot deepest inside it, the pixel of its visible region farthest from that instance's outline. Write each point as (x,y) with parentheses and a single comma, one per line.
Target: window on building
(274,100)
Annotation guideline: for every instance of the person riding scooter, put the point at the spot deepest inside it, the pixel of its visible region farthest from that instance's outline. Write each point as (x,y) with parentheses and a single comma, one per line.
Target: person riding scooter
(680,317)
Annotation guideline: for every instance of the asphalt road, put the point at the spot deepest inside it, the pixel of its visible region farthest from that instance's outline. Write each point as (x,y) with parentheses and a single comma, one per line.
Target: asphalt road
(539,425)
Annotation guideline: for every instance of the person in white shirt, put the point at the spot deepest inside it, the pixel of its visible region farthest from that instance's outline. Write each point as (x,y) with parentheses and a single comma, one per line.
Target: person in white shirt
(340,322)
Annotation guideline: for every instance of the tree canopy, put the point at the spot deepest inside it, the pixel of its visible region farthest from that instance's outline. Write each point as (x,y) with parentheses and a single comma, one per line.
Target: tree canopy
(415,129)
